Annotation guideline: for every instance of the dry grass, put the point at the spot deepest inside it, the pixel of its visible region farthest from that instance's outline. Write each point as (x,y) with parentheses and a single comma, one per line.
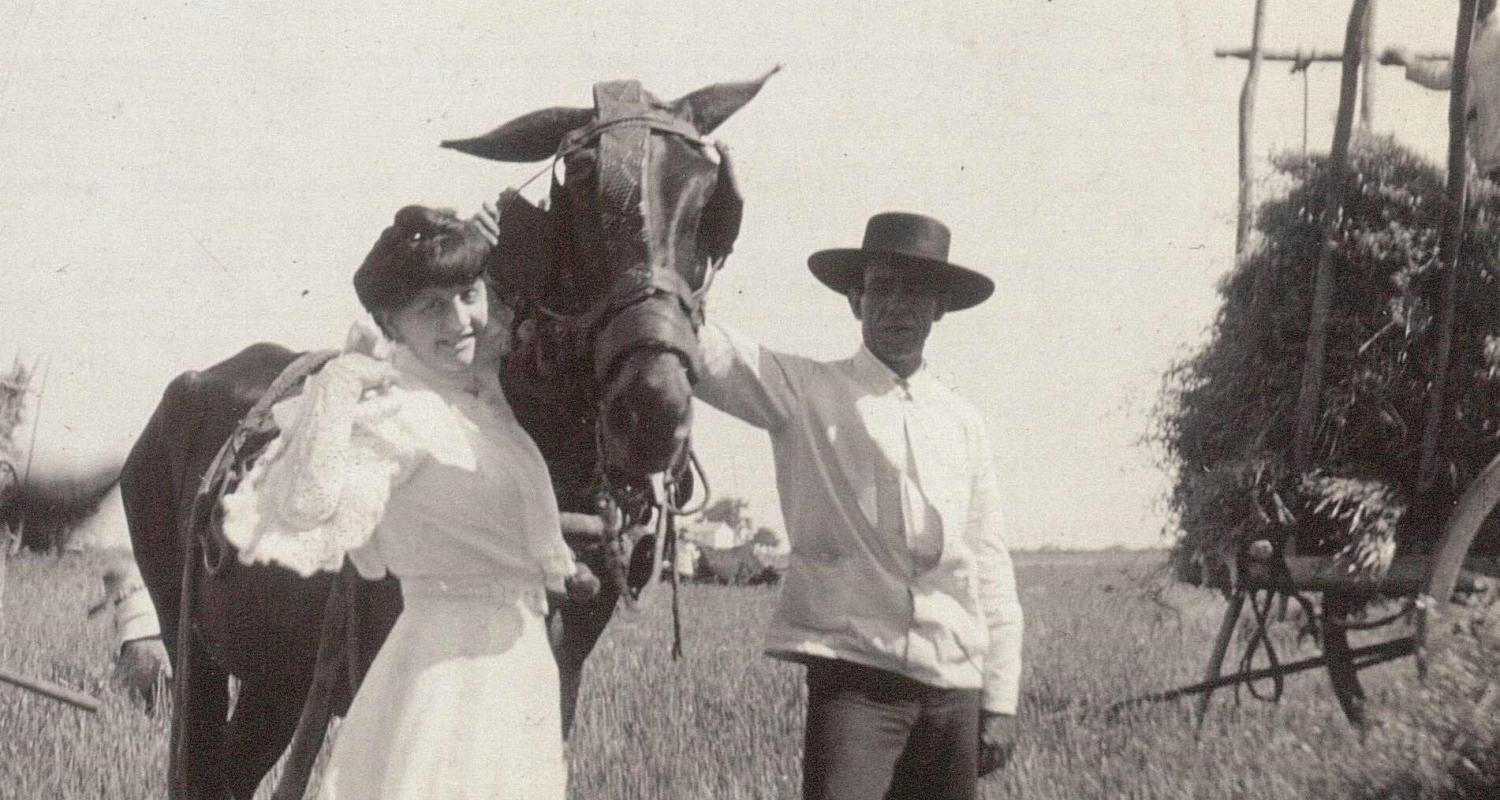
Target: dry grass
(726,722)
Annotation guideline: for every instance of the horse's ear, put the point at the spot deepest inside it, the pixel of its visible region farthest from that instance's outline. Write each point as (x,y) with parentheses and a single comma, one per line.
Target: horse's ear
(708,107)
(720,224)
(531,137)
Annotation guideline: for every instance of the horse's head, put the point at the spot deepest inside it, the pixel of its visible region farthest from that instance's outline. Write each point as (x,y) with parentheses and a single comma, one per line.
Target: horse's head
(644,208)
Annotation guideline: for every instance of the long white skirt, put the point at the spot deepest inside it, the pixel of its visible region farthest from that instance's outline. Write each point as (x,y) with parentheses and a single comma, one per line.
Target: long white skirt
(461,702)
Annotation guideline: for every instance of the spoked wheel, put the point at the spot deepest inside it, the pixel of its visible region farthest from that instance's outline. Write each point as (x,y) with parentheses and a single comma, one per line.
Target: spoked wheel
(1472,509)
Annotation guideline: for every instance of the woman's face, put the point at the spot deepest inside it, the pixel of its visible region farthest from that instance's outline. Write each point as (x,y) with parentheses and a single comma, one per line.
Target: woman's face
(442,324)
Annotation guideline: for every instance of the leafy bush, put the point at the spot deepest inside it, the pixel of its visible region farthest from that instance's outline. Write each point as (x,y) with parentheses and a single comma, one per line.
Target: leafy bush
(1227,414)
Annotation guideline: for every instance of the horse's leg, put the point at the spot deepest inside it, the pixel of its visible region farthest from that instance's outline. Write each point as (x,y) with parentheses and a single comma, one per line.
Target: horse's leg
(317,708)
(200,699)
(574,627)
(265,715)
(201,703)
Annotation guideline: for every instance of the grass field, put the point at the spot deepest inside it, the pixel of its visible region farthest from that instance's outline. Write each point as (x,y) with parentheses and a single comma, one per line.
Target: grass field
(725,722)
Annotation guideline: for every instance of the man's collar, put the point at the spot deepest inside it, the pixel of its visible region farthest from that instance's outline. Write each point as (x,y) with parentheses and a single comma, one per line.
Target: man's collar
(873,373)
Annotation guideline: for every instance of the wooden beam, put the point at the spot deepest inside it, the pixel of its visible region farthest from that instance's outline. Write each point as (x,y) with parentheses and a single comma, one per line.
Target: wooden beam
(1361,658)
(1450,247)
(1367,76)
(1405,578)
(50,690)
(1309,55)
(1247,129)
(1332,214)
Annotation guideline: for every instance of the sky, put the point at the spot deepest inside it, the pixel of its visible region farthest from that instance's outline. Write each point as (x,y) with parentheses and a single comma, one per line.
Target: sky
(181,180)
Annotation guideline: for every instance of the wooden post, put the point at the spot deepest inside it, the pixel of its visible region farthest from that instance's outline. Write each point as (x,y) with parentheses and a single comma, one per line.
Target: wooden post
(1247,128)
(1221,647)
(51,690)
(1367,72)
(1450,245)
(1338,169)
(1471,510)
(1343,672)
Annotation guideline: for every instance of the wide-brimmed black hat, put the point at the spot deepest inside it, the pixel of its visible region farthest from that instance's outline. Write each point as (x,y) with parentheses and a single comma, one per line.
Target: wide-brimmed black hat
(914,241)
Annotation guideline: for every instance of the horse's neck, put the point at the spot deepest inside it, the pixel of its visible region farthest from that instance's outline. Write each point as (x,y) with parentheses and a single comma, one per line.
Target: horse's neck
(559,419)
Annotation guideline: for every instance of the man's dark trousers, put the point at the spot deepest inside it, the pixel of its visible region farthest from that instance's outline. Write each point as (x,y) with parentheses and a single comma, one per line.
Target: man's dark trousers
(875,734)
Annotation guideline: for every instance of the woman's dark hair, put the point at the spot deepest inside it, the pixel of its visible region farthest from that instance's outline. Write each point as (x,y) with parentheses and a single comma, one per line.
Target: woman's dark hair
(423,247)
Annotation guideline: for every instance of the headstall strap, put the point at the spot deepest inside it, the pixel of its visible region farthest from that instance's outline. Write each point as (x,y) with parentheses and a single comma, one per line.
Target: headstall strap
(624,122)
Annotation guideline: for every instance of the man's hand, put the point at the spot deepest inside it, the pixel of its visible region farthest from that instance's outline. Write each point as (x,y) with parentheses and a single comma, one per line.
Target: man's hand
(997,740)
(1396,57)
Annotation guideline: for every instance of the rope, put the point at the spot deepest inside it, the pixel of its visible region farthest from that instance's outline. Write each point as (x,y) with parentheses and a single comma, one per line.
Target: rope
(670,497)
(676,610)
(1260,639)
(1304,112)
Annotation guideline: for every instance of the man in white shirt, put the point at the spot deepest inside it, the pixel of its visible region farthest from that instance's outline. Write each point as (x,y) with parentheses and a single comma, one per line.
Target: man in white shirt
(1483,87)
(900,597)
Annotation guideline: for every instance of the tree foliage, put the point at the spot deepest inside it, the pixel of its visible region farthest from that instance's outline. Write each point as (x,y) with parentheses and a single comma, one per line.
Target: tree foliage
(1226,417)
(730,511)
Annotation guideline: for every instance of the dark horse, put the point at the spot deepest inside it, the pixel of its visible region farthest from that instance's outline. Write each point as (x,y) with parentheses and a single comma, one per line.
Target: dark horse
(608,282)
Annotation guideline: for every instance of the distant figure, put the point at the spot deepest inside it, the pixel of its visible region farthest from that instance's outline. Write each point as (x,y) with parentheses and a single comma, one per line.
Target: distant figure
(1484,85)
(142,668)
(900,597)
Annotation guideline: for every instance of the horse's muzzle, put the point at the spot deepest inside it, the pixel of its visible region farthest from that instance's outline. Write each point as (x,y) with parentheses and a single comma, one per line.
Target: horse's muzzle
(647,414)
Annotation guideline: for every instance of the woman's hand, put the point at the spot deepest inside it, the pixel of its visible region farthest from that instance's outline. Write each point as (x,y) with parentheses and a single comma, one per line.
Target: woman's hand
(487,221)
(370,373)
(366,337)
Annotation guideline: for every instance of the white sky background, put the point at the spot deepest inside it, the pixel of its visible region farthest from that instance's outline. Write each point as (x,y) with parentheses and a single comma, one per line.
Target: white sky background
(182,180)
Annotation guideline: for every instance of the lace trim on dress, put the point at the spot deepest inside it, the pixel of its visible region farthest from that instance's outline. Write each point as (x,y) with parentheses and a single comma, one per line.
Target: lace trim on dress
(318,490)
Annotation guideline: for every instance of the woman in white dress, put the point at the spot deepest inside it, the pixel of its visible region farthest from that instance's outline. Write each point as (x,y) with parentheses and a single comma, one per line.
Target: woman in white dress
(415,465)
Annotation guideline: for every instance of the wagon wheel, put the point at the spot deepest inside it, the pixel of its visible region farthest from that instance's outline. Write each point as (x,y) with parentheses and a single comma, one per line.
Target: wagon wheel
(1469,513)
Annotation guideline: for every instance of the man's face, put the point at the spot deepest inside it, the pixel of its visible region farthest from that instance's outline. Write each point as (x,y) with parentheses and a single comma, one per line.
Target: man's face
(896,311)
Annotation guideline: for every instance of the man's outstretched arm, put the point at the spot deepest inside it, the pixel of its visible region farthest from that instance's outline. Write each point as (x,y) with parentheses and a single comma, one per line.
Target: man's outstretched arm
(1434,73)
(745,380)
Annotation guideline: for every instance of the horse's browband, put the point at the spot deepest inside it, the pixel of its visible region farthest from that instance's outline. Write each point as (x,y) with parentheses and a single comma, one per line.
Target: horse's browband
(676,127)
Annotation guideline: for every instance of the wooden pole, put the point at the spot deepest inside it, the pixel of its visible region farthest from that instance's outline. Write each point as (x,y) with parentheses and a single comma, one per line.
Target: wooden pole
(1360,657)
(1367,71)
(36,424)
(1333,212)
(1450,244)
(51,690)
(1303,55)
(1247,129)
(1221,646)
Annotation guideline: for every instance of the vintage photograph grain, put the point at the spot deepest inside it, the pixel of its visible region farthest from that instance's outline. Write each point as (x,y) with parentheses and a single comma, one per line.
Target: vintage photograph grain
(1025,399)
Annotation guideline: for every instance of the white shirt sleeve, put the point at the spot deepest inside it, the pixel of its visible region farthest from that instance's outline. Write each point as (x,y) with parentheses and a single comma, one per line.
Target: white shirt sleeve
(745,380)
(1431,72)
(998,600)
